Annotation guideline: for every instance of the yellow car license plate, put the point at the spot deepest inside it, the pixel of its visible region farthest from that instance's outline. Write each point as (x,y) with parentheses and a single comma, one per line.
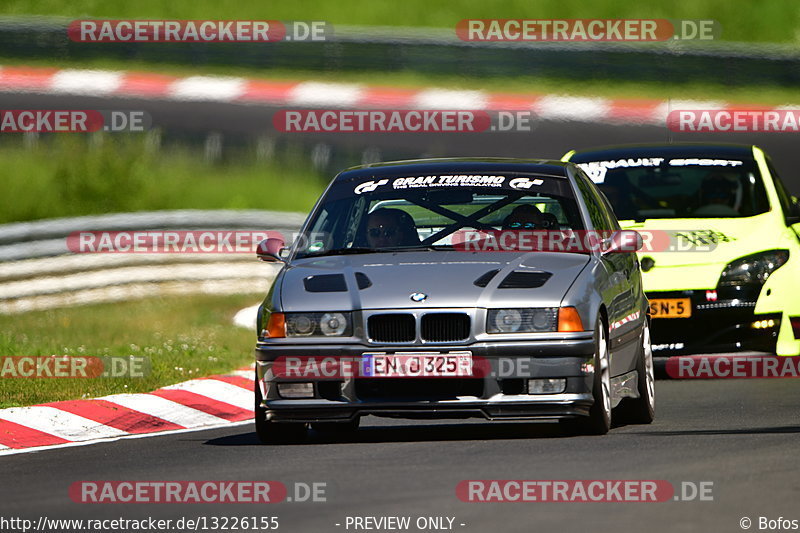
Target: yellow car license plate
(671,308)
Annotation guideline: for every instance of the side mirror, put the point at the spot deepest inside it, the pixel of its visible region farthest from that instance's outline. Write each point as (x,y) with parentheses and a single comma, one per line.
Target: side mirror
(269,250)
(626,240)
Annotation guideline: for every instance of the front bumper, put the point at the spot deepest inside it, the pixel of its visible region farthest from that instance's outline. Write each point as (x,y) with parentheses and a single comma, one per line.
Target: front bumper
(715,326)
(499,393)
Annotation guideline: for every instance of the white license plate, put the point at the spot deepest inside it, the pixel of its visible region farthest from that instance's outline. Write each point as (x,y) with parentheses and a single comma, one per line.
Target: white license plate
(416,364)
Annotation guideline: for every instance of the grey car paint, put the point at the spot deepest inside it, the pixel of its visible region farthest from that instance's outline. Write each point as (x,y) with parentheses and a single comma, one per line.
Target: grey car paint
(593,283)
(446,277)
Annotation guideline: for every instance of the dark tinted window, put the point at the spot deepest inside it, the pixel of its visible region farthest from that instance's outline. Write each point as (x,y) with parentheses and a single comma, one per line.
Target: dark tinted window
(412,211)
(612,216)
(641,188)
(598,216)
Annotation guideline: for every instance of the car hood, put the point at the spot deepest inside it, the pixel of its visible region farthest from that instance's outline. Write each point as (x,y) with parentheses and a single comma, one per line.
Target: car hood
(690,253)
(446,278)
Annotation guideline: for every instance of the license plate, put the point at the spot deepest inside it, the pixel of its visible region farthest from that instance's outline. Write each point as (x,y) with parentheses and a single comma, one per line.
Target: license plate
(671,307)
(417,365)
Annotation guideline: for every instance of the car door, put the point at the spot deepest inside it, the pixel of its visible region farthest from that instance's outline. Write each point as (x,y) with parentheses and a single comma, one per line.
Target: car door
(625,283)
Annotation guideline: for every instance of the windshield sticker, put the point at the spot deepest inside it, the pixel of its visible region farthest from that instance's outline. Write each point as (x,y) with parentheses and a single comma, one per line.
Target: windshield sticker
(597,169)
(369,186)
(704,163)
(463,180)
(704,237)
(524,183)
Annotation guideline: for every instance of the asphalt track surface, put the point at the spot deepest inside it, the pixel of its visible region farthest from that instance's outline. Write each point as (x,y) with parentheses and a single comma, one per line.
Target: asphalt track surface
(742,435)
(547,139)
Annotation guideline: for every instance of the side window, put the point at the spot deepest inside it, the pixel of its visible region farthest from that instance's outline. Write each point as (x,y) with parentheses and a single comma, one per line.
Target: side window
(321,235)
(597,212)
(612,218)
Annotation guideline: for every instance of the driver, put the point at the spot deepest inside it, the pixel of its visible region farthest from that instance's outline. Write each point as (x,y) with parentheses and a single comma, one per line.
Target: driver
(718,195)
(387,228)
(621,194)
(524,216)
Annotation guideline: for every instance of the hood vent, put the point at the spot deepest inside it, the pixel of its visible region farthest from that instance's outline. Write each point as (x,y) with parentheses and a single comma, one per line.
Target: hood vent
(524,280)
(363,281)
(325,283)
(484,280)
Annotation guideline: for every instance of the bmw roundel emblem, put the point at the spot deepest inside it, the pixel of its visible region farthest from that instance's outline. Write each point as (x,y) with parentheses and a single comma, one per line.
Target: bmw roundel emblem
(419,297)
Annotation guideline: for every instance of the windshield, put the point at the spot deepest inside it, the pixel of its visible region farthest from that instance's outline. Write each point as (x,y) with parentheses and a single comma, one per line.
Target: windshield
(642,188)
(426,212)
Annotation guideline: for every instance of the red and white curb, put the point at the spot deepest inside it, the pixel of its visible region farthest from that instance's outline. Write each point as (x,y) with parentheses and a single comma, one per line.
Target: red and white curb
(314,94)
(206,403)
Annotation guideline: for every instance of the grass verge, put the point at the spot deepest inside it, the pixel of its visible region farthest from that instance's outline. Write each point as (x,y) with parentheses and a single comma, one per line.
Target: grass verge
(766,21)
(184,338)
(66,176)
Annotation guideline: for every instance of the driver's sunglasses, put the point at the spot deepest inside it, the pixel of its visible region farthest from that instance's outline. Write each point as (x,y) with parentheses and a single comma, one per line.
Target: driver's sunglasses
(388,233)
(523,225)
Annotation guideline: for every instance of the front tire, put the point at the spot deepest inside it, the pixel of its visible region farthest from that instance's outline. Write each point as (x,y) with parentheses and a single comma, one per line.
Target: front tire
(642,410)
(599,420)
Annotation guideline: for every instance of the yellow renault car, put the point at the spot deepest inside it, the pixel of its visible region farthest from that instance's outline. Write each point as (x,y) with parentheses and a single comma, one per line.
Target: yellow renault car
(722,270)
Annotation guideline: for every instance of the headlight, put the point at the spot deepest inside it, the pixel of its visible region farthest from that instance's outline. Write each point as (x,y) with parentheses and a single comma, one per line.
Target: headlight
(522,320)
(753,269)
(300,325)
(333,324)
(318,324)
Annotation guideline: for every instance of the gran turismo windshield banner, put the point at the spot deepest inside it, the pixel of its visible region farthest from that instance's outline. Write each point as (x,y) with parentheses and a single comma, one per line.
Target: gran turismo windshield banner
(510,181)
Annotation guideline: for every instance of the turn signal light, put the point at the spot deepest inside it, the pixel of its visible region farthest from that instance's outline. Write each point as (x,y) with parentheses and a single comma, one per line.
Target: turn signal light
(569,320)
(276,327)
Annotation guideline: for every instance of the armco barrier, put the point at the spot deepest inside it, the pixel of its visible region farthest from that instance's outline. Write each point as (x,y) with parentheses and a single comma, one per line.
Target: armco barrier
(37,271)
(44,238)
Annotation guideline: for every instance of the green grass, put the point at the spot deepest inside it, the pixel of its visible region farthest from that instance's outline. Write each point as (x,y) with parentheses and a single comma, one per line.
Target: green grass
(68,176)
(767,20)
(184,337)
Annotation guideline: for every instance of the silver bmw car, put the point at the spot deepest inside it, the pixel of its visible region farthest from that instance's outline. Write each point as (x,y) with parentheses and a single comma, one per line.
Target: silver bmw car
(501,289)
